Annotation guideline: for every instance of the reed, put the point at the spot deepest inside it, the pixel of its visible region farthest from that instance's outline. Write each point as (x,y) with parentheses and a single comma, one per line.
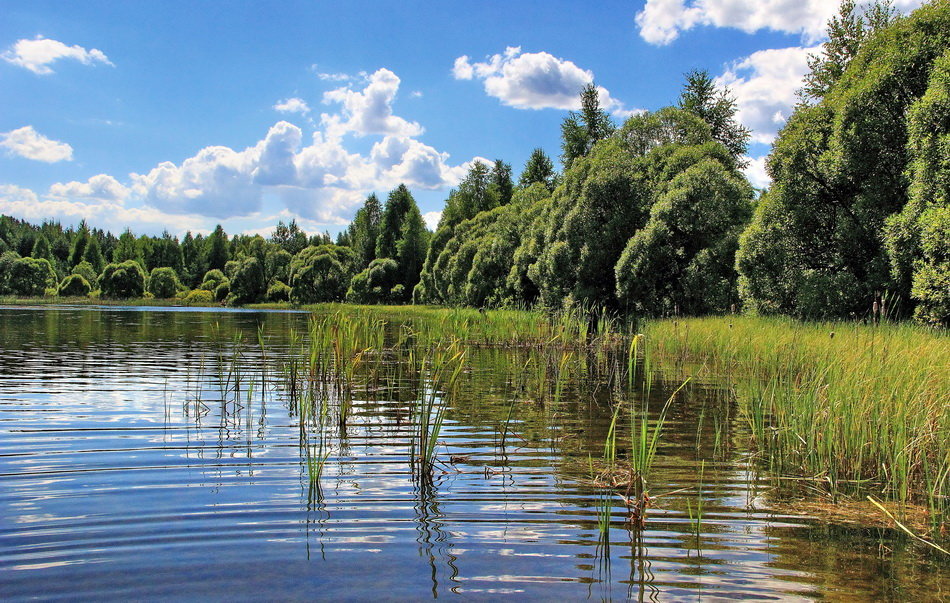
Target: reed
(858,408)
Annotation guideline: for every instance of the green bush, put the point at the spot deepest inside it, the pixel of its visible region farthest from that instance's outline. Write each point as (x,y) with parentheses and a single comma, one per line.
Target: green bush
(198,296)
(31,276)
(212,279)
(278,292)
(85,270)
(74,285)
(163,283)
(375,284)
(321,273)
(222,291)
(247,283)
(122,281)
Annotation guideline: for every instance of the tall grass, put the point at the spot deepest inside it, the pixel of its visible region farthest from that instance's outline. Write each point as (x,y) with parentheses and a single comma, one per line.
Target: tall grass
(855,407)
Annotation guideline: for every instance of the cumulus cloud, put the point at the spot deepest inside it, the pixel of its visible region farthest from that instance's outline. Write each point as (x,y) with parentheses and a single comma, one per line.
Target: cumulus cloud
(292,105)
(764,84)
(39,53)
(431,219)
(109,214)
(27,142)
(370,110)
(756,173)
(661,21)
(533,80)
(101,187)
(317,178)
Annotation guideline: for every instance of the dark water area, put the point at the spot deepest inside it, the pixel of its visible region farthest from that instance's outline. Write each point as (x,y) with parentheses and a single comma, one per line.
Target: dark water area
(156,453)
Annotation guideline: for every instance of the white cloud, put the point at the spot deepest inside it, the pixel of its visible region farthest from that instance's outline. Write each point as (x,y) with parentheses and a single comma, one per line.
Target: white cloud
(292,105)
(37,54)
(100,187)
(533,80)
(319,180)
(756,173)
(764,84)
(368,111)
(107,214)
(27,142)
(432,219)
(661,21)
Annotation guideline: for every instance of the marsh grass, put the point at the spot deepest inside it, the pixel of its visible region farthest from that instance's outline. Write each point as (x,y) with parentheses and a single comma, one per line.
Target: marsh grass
(856,408)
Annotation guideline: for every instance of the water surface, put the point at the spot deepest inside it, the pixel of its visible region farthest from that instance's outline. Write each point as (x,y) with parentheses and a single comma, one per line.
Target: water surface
(149,453)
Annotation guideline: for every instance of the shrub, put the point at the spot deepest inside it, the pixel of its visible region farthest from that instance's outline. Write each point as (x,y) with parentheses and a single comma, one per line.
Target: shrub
(85,270)
(124,280)
(31,276)
(222,291)
(212,279)
(278,292)
(247,283)
(199,296)
(163,282)
(74,285)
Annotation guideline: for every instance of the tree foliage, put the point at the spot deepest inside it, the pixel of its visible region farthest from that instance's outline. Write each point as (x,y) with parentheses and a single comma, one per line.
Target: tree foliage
(850,173)
(122,281)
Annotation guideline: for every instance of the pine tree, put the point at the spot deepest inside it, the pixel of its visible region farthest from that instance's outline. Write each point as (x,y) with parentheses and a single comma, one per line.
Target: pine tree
(390,228)
(580,131)
(717,107)
(538,168)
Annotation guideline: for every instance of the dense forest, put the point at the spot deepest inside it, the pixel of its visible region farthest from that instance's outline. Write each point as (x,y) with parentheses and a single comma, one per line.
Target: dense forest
(650,217)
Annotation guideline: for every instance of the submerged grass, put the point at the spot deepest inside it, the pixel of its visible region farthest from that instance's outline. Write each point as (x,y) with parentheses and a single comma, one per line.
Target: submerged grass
(859,408)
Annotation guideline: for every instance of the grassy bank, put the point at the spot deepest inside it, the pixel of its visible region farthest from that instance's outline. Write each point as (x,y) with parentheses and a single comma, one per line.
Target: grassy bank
(860,408)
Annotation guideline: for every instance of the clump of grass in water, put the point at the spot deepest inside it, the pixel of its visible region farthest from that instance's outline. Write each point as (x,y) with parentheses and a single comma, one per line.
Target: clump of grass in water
(441,370)
(858,408)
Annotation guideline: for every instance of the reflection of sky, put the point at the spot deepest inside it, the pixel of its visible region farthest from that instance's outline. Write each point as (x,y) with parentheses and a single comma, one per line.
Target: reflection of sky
(111,467)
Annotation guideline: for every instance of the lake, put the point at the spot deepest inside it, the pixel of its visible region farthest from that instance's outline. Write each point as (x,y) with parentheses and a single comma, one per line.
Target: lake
(166,453)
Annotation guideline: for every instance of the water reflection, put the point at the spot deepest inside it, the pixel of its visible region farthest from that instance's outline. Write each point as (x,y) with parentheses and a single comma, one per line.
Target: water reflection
(154,454)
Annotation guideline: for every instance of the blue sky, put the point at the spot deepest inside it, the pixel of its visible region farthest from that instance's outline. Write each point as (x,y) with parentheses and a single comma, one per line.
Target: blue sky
(181,115)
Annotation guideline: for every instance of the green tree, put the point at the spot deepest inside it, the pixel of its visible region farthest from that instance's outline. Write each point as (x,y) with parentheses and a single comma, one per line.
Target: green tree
(290,237)
(473,195)
(74,285)
(218,249)
(846,31)
(126,248)
(248,283)
(375,284)
(538,168)
(93,255)
(411,249)
(501,185)
(321,274)
(364,230)
(31,276)
(41,249)
(683,259)
(816,245)
(717,107)
(163,282)
(122,281)
(581,130)
(80,241)
(390,228)
(85,270)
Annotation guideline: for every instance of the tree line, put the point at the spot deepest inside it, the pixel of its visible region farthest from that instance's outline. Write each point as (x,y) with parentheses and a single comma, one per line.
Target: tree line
(651,217)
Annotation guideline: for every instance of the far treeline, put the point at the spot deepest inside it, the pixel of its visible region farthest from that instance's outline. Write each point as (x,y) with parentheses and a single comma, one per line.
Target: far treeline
(652,217)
